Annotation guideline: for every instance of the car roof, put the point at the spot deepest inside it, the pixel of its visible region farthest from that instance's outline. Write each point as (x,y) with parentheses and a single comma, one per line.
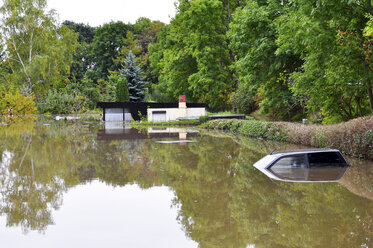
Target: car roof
(305,151)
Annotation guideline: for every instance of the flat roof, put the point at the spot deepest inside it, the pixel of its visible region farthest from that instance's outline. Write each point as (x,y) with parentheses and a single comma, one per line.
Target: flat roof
(148,104)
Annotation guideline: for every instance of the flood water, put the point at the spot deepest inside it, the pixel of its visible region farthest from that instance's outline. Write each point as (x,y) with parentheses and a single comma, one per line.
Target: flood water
(79,184)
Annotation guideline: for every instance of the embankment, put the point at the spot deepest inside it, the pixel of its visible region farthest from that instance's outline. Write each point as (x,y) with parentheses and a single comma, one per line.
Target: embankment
(354,138)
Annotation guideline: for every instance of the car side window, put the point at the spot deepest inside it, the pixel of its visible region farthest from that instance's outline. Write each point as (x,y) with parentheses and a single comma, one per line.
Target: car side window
(326,159)
(294,161)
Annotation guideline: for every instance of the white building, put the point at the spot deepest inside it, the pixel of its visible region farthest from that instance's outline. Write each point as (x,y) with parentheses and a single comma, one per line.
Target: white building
(183,111)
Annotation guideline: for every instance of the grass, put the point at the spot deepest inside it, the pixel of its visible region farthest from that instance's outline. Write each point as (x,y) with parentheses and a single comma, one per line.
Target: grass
(221,113)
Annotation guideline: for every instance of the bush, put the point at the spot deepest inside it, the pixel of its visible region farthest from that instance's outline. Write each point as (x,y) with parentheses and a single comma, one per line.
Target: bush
(364,143)
(62,103)
(243,99)
(319,140)
(252,128)
(255,129)
(91,96)
(15,105)
(121,91)
(203,119)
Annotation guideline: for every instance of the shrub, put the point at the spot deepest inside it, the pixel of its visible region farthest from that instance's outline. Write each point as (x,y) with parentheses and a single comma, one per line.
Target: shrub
(203,119)
(236,125)
(15,105)
(255,129)
(243,99)
(354,137)
(91,97)
(274,132)
(319,140)
(62,103)
(364,143)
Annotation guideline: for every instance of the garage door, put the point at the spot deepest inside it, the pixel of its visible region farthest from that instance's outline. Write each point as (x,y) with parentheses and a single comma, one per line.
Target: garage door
(114,114)
(159,116)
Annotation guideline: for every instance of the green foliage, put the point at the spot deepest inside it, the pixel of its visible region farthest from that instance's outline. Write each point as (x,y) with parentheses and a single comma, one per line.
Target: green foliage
(63,103)
(256,129)
(86,33)
(335,73)
(92,96)
(203,119)
(364,143)
(130,44)
(243,99)
(108,41)
(86,89)
(133,75)
(38,50)
(262,73)
(251,128)
(14,106)
(192,58)
(82,58)
(120,85)
(156,96)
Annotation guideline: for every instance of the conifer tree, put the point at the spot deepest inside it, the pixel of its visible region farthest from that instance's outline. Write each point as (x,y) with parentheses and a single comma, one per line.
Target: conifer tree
(133,74)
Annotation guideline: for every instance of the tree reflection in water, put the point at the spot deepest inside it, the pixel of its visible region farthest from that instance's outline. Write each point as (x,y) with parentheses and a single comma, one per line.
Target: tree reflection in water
(222,200)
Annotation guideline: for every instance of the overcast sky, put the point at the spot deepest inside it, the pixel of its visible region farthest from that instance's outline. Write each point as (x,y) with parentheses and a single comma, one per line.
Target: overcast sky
(98,12)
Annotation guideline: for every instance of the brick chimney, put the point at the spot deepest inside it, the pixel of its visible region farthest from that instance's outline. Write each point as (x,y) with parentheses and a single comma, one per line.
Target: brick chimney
(182,106)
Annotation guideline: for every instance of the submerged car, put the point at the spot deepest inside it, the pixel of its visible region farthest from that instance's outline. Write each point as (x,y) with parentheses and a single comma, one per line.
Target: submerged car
(315,165)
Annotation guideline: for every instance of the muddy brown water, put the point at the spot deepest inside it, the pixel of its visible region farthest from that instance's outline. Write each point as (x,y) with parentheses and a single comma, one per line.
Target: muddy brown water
(77,184)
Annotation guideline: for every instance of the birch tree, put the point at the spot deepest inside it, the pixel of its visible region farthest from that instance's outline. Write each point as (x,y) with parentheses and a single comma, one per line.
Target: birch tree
(38,51)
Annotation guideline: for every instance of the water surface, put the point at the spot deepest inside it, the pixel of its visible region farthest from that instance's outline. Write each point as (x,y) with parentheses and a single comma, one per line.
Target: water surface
(77,184)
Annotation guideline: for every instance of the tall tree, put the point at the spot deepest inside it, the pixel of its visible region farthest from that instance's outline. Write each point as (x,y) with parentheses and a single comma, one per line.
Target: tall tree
(145,32)
(172,64)
(82,58)
(39,51)
(86,33)
(336,75)
(108,41)
(196,57)
(133,74)
(130,44)
(263,75)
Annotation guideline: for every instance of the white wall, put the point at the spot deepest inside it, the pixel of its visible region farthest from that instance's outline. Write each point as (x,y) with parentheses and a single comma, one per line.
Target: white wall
(196,112)
(173,113)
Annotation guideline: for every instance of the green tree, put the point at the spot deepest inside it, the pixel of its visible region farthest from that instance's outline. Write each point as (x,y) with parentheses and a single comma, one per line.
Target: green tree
(82,58)
(195,58)
(121,87)
(133,74)
(108,41)
(336,74)
(86,33)
(263,74)
(130,44)
(39,51)
(172,64)
(145,32)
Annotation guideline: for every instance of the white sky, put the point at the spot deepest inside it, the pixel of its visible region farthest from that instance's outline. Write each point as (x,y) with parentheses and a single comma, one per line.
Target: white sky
(98,12)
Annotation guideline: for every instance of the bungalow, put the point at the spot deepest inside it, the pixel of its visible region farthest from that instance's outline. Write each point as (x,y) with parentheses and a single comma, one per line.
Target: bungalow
(124,111)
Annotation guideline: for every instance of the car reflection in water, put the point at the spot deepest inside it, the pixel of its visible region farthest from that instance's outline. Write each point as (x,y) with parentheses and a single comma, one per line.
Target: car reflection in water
(316,165)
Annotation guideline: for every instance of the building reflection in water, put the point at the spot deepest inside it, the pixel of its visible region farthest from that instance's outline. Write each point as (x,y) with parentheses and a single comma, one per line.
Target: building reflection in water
(120,131)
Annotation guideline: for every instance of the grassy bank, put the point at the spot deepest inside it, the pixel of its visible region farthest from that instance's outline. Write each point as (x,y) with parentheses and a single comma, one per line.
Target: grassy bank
(353,138)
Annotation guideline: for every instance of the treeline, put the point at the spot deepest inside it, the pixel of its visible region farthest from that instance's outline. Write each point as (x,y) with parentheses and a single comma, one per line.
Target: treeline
(69,67)
(290,59)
